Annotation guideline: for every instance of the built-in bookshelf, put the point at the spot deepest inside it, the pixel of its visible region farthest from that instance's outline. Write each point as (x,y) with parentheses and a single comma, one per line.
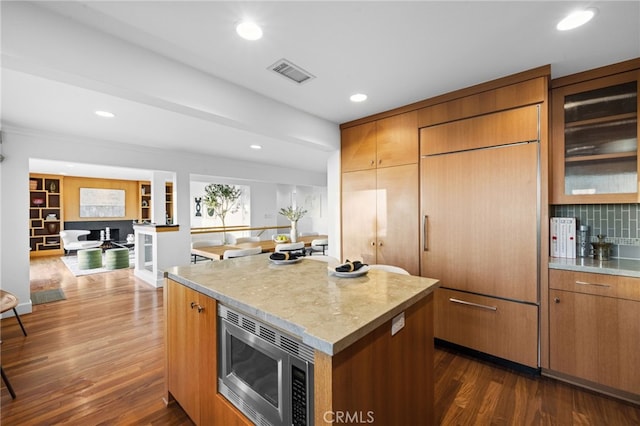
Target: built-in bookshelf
(145,202)
(45,214)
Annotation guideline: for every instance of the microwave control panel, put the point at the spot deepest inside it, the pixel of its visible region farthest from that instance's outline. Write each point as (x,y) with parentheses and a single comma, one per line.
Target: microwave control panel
(298,397)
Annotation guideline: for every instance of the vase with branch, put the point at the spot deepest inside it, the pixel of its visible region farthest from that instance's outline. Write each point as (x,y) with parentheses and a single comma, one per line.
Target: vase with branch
(220,200)
(294,214)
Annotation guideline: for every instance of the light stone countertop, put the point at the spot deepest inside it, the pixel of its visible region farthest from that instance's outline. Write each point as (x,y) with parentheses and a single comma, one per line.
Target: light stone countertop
(325,312)
(622,267)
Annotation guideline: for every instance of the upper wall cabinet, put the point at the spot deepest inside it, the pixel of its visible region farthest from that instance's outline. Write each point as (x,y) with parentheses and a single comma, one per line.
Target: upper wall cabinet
(391,141)
(595,140)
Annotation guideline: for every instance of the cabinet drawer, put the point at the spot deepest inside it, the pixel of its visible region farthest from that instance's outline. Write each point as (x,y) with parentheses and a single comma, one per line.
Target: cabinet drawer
(596,284)
(498,327)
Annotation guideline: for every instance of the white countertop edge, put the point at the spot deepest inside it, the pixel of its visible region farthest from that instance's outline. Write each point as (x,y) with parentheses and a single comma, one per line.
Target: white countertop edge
(621,267)
(298,331)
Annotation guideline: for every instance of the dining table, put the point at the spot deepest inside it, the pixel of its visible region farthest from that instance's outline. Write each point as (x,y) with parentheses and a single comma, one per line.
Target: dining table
(216,252)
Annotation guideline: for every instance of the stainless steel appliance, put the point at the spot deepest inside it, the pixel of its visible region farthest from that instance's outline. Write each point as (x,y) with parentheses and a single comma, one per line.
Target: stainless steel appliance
(265,373)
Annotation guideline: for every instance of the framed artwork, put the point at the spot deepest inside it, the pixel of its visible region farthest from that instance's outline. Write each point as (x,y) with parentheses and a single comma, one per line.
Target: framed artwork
(97,202)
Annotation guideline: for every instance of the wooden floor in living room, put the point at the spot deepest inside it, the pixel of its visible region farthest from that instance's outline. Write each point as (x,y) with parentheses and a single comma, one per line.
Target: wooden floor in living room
(98,358)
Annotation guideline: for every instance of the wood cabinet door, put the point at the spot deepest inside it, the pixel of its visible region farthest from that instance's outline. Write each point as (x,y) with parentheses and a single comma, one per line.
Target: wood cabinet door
(595,338)
(480,221)
(207,344)
(359,216)
(494,326)
(500,128)
(397,230)
(358,149)
(595,128)
(182,348)
(397,140)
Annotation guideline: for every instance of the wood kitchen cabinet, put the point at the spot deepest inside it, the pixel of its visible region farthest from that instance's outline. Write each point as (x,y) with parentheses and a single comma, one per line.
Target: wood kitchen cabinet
(499,327)
(479,206)
(482,207)
(380,192)
(191,321)
(479,189)
(380,216)
(386,142)
(191,357)
(595,330)
(595,136)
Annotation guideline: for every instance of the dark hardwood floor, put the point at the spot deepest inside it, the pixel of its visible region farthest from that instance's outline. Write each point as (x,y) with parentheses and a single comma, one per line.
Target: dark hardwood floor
(97,358)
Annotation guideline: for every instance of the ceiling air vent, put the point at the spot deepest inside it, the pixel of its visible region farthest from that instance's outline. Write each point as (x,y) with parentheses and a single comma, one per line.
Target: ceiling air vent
(293,72)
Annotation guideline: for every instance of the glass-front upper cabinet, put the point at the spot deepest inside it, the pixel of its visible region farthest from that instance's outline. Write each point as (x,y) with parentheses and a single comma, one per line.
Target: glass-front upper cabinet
(595,141)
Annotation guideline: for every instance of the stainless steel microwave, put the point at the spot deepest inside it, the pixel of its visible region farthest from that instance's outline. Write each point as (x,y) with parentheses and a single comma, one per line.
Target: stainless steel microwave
(265,373)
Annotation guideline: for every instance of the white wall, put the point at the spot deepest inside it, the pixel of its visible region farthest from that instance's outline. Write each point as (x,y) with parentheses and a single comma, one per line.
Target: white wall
(39,43)
(266,199)
(20,145)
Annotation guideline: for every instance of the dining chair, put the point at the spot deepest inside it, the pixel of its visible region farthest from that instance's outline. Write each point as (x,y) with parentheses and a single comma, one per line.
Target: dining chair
(9,301)
(319,245)
(230,254)
(289,246)
(390,268)
(203,243)
(247,239)
(5,379)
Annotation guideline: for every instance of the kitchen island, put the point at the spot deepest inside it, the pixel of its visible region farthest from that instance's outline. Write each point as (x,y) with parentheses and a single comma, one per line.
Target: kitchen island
(372,337)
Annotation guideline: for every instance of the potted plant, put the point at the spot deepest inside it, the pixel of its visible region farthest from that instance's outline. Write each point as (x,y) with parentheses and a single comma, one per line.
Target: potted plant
(220,200)
(294,214)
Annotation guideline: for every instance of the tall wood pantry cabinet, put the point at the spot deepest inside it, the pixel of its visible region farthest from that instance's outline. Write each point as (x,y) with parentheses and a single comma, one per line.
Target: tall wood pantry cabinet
(380,192)
(480,188)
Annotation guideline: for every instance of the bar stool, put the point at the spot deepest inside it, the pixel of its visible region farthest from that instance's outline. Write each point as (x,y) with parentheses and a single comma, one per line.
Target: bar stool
(9,301)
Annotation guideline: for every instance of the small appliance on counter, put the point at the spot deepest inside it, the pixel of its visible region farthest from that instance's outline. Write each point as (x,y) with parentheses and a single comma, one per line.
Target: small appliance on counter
(601,249)
(583,241)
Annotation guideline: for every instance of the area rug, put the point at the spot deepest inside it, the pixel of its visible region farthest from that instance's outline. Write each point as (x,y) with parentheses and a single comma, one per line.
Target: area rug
(46,296)
(72,264)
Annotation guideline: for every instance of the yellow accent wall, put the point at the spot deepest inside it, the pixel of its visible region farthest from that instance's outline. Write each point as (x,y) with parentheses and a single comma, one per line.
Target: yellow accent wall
(72,187)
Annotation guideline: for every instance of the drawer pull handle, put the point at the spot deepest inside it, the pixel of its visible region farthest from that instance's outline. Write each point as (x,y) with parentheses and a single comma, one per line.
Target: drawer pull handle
(592,284)
(476,305)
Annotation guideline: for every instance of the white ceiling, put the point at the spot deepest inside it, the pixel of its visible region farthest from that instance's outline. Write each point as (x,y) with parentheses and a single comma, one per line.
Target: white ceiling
(396,52)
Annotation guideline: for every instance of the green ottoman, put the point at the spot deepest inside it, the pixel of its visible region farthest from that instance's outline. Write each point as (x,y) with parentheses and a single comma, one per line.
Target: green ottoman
(117,258)
(90,258)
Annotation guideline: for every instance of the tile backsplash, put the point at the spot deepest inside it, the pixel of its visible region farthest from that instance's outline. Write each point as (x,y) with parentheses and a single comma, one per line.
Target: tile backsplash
(619,222)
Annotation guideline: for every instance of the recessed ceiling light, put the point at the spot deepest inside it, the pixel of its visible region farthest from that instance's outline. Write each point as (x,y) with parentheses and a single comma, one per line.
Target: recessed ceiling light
(576,19)
(105,114)
(358,97)
(255,146)
(249,30)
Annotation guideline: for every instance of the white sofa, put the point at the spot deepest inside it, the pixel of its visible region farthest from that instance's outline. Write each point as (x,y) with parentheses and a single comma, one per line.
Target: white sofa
(71,241)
